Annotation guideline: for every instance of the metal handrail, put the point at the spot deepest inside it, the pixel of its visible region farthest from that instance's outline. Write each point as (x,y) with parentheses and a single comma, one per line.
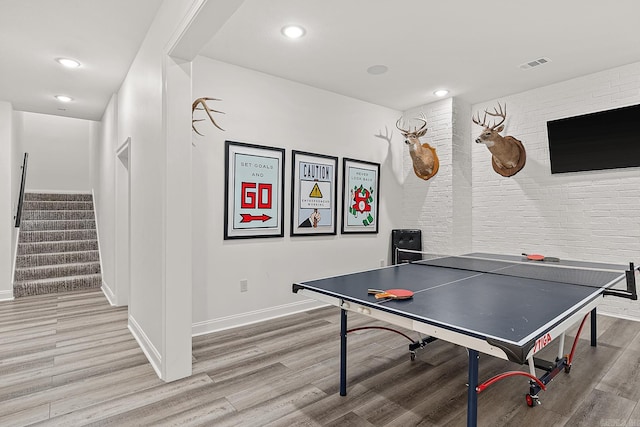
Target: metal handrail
(22,184)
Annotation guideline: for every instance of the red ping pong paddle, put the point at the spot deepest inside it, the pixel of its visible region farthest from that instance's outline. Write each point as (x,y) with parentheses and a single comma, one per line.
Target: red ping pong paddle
(391,293)
(538,257)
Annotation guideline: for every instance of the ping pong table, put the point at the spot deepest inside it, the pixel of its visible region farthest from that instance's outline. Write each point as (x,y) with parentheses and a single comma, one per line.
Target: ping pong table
(500,305)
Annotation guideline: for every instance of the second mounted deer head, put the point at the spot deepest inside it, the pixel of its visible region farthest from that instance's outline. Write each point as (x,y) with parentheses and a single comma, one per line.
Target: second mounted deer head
(508,154)
(424,157)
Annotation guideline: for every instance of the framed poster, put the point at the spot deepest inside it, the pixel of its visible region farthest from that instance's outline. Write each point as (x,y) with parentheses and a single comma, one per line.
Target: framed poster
(360,195)
(254,187)
(313,194)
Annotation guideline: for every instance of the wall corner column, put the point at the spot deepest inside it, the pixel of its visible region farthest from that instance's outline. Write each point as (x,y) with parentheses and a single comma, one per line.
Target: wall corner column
(177,292)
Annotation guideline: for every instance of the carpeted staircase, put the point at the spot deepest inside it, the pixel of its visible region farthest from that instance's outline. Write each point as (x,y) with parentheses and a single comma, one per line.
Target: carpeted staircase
(58,245)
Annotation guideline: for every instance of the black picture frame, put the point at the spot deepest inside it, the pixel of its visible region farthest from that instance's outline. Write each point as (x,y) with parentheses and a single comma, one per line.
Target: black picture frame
(314,193)
(254,191)
(360,196)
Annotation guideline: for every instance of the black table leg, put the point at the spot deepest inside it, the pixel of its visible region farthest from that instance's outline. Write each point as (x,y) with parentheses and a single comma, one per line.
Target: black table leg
(593,328)
(472,394)
(343,352)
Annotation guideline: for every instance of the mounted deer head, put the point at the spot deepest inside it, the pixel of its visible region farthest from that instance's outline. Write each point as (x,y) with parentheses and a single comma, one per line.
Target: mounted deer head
(201,104)
(508,154)
(424,157)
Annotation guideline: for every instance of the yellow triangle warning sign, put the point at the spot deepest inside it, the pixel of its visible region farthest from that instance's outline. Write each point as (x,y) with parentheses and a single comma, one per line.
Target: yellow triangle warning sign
(315,192)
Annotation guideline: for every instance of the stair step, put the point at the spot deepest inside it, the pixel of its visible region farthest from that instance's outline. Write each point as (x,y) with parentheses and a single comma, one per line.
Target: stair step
(57,205)
(56,247)
(51,236)
(62,284)
(43,259)
(55,225)
(57,196)
(56,271)
(53,214)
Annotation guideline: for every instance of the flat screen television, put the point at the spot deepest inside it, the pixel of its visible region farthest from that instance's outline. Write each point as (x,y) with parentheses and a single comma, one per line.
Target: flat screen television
(603,140)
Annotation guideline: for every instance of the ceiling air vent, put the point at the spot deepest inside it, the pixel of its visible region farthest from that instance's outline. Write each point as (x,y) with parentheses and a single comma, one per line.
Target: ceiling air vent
(534,63)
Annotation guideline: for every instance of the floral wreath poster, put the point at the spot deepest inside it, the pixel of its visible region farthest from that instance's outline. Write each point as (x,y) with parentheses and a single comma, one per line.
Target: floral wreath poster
(360,195)
(313,194)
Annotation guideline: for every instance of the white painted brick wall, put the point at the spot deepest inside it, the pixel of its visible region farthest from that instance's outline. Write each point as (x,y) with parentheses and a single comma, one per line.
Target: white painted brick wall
(462,178)
(584,215)
(428,205)
(441,207)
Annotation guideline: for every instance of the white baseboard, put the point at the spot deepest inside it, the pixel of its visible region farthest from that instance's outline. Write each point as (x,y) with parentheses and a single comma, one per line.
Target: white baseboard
(619,316)
(6,295)
(153,355)
(108,293)
(222,323)
(15,257)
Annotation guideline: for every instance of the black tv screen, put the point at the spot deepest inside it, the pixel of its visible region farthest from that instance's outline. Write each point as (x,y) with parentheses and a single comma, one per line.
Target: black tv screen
(603,140)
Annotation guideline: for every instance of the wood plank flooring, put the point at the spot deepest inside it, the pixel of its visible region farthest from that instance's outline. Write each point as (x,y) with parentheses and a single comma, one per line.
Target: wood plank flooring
(69,360)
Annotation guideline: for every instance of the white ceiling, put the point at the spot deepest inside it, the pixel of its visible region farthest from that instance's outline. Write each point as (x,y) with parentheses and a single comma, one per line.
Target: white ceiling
(472,48)
(103,35)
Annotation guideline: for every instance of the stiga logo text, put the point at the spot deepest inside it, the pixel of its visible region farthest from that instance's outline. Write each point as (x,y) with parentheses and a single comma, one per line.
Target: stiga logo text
(542,342)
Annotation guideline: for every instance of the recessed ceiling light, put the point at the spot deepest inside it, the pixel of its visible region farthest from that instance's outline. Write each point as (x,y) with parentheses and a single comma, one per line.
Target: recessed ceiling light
(377,69)
(293,31)
(64,98)
(441,92)
(67,62)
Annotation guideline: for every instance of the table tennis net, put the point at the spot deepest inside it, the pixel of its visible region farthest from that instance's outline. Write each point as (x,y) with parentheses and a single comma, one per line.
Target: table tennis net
(580,276)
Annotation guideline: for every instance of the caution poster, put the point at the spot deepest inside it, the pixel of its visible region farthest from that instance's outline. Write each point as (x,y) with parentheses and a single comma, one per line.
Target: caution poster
(313,201)
(361,193)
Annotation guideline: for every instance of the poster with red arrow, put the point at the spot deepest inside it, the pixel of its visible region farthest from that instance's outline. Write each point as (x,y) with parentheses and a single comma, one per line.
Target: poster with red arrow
(254,191)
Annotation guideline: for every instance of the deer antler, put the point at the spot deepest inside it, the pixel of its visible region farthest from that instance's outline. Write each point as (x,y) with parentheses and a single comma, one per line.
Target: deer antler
(501,113)
(201,104)
(399,125)
(477,120)
(495,113)
(415,130)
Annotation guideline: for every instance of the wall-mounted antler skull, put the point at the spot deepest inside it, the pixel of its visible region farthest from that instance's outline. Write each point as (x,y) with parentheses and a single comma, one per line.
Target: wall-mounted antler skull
(201,104)
(424,157)
(508,154)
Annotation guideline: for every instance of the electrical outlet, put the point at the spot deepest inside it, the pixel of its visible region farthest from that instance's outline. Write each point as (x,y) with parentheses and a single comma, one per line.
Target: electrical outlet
(381,263)
(244,285)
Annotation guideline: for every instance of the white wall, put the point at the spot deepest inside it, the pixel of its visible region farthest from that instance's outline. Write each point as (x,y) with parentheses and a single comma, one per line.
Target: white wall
(583,215)
(16,173)
(103,184)
(265,110)
(141,115)
(7,138)
(121,242)
(59,152)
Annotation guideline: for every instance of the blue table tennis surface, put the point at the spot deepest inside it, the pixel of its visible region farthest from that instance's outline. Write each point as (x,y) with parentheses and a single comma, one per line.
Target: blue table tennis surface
(462,297)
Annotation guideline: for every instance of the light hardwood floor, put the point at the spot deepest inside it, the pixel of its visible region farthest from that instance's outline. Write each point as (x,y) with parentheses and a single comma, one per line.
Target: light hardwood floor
(69,360)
